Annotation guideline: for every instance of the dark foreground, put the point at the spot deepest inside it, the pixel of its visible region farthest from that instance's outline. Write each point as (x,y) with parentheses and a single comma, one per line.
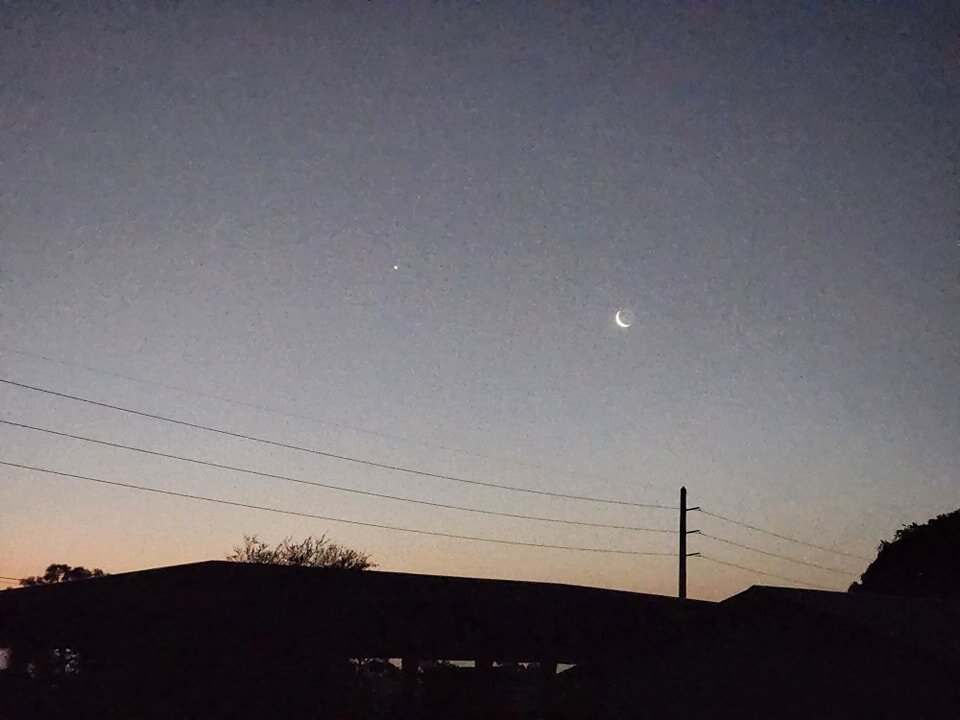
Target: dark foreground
(223,640)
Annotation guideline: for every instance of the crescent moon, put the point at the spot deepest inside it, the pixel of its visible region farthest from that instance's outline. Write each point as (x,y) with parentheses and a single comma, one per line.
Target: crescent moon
(619,322)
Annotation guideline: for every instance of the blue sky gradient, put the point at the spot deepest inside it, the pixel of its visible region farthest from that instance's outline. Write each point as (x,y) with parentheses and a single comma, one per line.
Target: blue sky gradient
(214,196)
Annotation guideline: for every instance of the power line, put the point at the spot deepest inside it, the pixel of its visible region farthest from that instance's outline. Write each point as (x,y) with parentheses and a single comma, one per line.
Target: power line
(782,537)
(313,418)
(231,503)
(775,555)
(382,496)
(762,572)
(336,456)
(9,579)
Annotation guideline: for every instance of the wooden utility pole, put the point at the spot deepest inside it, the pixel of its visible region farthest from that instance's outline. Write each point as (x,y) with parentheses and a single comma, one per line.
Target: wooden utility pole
(682,589)
(682,585)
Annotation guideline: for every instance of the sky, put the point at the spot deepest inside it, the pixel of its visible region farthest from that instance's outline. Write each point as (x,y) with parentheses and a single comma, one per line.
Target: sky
(400,232)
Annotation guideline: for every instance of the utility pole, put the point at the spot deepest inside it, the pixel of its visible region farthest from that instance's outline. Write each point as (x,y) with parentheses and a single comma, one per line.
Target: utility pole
(682,589)
(682,584)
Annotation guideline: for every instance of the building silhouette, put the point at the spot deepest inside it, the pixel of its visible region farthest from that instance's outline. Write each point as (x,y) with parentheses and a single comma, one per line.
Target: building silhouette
(228,640)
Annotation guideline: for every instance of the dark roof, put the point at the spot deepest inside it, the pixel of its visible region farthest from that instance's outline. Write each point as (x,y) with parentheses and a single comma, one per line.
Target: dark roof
(929,625)
(362,613)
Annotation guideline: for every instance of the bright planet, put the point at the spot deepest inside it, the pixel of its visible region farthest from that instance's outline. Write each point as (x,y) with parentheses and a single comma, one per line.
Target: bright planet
(623,318)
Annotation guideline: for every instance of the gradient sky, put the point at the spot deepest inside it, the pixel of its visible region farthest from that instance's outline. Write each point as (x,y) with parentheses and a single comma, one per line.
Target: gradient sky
(214,196)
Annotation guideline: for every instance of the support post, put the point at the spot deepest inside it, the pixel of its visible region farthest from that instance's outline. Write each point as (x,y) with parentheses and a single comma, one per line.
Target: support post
(485,685)
(409,666)
(547,682)
(682,584)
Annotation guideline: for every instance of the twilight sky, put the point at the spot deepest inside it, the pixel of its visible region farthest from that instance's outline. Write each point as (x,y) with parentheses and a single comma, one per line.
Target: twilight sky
(213,196)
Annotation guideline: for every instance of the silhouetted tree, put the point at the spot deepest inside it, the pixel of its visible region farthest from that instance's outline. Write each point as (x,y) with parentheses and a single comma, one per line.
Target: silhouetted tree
(311,552)
(59,572)
(921,561)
